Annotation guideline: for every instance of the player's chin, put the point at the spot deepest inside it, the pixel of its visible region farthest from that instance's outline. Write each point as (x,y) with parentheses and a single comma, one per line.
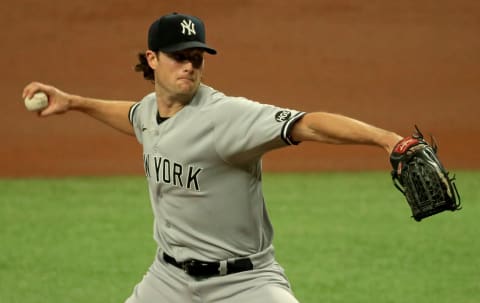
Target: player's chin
(186,86)
(186,94)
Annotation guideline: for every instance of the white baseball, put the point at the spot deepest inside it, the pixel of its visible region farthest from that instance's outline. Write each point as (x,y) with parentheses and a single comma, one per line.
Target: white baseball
(38,102)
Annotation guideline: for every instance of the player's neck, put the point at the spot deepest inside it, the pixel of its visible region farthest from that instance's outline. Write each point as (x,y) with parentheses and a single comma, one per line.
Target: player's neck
(168,108)
(169,105)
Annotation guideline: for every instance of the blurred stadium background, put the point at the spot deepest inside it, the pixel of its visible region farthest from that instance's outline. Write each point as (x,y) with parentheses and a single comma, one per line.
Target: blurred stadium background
(393,64)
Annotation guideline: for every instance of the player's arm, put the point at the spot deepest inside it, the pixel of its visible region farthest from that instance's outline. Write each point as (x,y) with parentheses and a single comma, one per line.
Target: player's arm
(338,129)
(113,113)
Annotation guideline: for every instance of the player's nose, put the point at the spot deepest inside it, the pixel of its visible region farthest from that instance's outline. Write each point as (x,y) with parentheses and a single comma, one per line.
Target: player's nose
(188,65)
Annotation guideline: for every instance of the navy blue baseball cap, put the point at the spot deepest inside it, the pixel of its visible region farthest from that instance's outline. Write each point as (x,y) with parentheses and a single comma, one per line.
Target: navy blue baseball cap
(175,32)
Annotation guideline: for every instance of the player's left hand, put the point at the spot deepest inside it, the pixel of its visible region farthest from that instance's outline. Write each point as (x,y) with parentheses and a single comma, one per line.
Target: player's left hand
(419,175)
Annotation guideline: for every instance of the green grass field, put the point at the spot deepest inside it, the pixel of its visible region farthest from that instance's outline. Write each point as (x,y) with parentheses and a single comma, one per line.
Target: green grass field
(342,237)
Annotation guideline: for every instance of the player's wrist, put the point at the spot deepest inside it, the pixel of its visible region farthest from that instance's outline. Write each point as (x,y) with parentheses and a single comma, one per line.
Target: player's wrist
(392,140)
(75,102)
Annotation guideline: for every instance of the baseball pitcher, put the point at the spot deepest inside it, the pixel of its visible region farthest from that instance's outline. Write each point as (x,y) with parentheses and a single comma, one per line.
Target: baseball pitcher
(202,154)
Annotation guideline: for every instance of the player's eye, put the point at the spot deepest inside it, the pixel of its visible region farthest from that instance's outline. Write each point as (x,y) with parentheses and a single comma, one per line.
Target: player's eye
(195,58)
(179,57)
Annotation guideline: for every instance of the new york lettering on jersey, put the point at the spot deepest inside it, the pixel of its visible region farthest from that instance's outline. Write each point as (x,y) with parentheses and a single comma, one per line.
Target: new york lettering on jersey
(166,171)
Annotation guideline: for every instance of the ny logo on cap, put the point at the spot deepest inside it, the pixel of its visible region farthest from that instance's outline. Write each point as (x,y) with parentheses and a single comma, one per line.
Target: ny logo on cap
(188,27)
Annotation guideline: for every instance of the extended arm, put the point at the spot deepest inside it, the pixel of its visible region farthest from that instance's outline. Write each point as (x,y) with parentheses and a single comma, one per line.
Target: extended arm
(338,129)
(113,113)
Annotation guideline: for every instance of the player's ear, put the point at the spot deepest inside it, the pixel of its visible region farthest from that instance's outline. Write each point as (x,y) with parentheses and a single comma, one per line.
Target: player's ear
(152,59)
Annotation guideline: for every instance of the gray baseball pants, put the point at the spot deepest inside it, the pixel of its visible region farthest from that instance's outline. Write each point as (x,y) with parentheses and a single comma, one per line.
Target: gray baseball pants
(163,282)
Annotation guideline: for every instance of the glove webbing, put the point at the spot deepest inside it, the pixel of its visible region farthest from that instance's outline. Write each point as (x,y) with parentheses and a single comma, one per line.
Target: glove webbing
(428,196)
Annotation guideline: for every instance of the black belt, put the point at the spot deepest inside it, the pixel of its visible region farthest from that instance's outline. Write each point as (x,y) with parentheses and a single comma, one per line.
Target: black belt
(198,268)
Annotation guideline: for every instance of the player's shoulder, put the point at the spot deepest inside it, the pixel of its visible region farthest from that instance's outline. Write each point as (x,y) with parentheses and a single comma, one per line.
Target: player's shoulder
(145,104)
(148,99)
(207,95)
(210,97)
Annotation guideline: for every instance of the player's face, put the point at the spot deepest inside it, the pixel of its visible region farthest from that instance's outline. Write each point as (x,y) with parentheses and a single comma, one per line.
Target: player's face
(179,73)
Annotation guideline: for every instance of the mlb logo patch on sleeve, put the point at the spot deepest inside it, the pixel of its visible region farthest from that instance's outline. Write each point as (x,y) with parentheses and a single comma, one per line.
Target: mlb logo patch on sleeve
(282,116)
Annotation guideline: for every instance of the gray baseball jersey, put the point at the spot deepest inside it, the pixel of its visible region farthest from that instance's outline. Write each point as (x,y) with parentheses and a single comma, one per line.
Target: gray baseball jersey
(203,167)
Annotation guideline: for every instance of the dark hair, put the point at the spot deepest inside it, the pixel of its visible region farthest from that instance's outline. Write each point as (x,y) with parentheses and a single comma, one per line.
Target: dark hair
(142,66)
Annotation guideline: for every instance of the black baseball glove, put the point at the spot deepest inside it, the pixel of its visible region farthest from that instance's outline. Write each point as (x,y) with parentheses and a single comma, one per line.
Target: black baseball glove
(419,175)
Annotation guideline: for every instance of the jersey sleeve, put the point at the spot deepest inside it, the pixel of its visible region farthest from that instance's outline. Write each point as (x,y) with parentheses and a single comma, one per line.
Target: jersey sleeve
(134,118)
(140,115)
(245,129)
